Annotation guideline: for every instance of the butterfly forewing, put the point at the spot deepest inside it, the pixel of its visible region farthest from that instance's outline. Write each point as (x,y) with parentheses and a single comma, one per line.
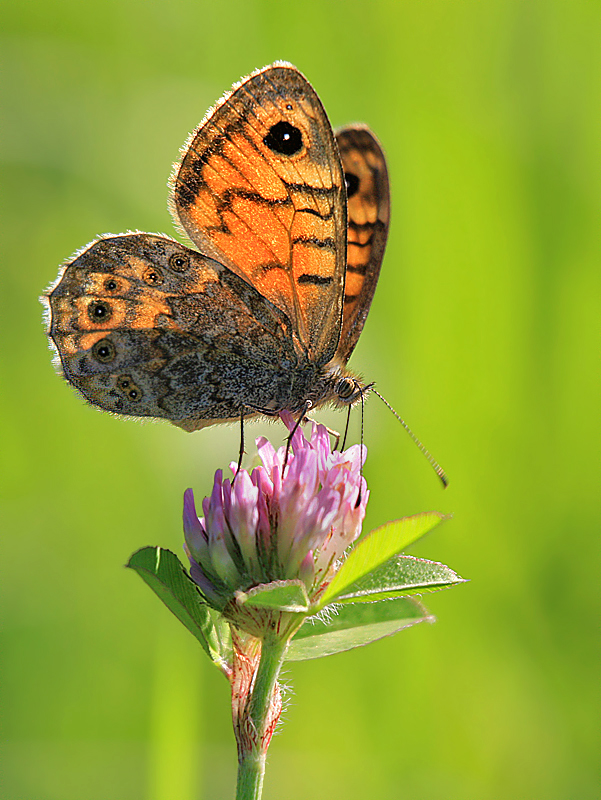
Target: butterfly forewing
(260,188)
(368,211)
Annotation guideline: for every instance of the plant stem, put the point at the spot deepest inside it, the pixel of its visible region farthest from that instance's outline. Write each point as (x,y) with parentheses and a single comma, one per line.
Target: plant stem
(251,770)
(251,761)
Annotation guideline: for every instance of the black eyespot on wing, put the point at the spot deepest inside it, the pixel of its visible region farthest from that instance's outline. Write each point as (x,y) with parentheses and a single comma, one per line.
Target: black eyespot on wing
(111,285)
(284,138)
(99,311)
(104,351)
(129,388)
(179,262)
(153,276)
(352,183)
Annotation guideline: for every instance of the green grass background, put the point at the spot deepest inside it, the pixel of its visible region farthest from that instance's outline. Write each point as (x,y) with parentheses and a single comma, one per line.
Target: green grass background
(483,333)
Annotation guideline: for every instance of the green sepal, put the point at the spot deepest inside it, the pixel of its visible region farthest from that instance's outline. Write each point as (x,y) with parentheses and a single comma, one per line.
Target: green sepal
(290,596)
(165,574)
(378,547)
(400,576)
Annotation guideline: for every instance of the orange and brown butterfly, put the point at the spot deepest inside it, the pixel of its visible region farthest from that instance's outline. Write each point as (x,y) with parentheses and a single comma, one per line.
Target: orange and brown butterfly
(290,222)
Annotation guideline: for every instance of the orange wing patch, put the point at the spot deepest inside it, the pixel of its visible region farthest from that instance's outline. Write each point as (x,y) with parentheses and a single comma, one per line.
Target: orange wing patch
(260,188)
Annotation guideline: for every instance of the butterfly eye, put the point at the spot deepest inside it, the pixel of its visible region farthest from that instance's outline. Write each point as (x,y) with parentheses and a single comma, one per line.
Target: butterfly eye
(284,138)
(352,183)
(153,277)
(110,285)
(178,262)
(104,351)
(346,389)
(99,311)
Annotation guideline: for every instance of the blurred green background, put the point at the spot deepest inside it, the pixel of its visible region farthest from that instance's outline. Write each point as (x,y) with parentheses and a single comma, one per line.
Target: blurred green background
(482,334)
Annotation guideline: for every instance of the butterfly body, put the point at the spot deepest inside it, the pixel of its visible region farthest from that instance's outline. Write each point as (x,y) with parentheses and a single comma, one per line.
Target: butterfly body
(265,316)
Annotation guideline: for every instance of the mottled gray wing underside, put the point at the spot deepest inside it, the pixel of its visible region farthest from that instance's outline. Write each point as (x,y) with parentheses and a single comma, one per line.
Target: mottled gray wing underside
(146,327)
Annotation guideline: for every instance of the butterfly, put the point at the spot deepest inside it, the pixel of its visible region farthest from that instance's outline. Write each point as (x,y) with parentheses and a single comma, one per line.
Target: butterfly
(290,223)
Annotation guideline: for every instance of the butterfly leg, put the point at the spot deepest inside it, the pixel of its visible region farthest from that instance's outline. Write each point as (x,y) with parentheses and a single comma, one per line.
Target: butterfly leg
(241,453)
(299,421)
(358,502)
(348,419)
(330,431)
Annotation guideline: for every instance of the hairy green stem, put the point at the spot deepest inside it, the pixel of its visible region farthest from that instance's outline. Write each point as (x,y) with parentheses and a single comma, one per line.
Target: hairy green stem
(251,762)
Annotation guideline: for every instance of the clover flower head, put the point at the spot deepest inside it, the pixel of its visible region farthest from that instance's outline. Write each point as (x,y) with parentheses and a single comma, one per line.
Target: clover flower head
(285,520)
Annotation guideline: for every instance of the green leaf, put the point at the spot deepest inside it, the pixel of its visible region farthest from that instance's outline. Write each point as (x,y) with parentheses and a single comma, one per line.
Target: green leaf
(164,573)
(379,546)
(288,596)
(341,628)
(400,576)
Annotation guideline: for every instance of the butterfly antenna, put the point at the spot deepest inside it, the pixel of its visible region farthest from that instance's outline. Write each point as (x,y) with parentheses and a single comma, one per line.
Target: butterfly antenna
(434,464)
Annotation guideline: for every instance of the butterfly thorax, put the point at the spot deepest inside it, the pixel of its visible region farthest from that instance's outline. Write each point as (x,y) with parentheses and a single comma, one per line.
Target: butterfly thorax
(297,388)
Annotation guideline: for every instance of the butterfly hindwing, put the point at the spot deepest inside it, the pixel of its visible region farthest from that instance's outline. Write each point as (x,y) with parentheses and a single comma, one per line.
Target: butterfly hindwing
(368,201)
(146,327)
(260,188)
